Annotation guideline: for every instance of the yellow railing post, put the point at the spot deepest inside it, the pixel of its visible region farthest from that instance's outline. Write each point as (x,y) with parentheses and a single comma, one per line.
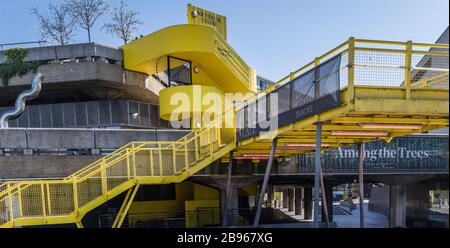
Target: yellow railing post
(408,59)
(174,158)
(10,207)
(160,160)
(133,154)
(210,142)
(104,179)
(186,156)
(49,203)
(19,196)
(196,137)
(127,152)
(75,195)
(43,200)
(351,70)
(152,170)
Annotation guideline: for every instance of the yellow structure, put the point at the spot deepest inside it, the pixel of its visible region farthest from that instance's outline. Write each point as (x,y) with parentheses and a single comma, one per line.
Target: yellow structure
(373,106)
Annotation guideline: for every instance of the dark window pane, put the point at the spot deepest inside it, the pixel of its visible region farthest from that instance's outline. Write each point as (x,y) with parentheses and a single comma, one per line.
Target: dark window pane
(92,110)
(81,115)
(144,113)
(69,114)
(34,116)
(105,114)
(133,113)
(57,112)
(46,116)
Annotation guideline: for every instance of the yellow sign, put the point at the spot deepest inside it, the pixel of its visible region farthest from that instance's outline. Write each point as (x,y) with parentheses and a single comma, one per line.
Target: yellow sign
(200,16)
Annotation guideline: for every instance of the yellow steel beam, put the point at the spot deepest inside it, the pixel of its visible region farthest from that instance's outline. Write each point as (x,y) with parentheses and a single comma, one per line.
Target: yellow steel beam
(125,207)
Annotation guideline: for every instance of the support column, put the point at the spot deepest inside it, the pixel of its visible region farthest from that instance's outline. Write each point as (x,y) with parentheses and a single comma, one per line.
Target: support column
(308,203)
(298,201)
(361,185)
(285,198)
(265,182)
(291,196)
(228,191)
(417,198)
(233,205)
(317,174)
(270,191)
(329,203)
(397,206)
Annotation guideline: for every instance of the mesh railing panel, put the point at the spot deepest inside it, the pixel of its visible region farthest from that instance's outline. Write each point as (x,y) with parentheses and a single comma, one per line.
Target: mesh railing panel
(379,68)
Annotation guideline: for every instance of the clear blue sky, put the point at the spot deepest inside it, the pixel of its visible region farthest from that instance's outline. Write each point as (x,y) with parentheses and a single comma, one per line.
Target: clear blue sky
(274,36)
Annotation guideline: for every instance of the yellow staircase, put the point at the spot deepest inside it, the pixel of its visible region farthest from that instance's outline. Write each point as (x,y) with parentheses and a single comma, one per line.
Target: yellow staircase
(48,202)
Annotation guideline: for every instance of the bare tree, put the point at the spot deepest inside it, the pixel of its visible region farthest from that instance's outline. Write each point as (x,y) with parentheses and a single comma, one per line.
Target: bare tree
(124,23)
(86,12)
(57,25)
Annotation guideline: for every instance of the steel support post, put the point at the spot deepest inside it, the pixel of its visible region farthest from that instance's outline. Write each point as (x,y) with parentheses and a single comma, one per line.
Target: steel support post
(317,174)
(228,191)
(324,199)
(361,185)
(265,182)
(125,207)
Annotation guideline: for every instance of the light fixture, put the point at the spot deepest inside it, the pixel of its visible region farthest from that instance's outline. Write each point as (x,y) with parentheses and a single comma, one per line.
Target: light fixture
(306,145)
(250,158)
(390,126)
(196,70)
(254,157)
(258,155)
(359,133)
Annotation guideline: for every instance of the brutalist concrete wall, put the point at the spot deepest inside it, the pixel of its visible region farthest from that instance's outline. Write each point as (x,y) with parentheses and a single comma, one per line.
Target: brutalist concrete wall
(379,200)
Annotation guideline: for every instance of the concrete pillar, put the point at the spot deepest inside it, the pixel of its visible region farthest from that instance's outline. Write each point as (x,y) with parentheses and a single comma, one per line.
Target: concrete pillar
(270,190)
(417,198)
(329,200)
(397,206)
(285,198)
(308,203)
(233,205)
(291,196)
(298,201)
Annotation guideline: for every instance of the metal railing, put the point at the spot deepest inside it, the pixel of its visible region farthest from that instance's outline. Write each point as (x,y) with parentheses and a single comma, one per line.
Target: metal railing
(356,63)
(206,217)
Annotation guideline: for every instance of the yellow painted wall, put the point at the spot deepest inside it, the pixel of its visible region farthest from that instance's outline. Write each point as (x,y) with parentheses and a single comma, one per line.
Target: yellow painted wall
(189,197)
(205,193)
(249,189)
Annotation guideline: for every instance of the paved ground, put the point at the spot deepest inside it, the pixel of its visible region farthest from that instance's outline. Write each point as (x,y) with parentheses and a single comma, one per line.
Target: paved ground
(345,220)
(371,219)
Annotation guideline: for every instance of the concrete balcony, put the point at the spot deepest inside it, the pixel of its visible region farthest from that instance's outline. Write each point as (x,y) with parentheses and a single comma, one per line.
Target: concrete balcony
(82,71)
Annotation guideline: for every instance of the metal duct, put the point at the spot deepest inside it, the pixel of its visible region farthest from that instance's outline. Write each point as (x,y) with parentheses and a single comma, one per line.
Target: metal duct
(21,99)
